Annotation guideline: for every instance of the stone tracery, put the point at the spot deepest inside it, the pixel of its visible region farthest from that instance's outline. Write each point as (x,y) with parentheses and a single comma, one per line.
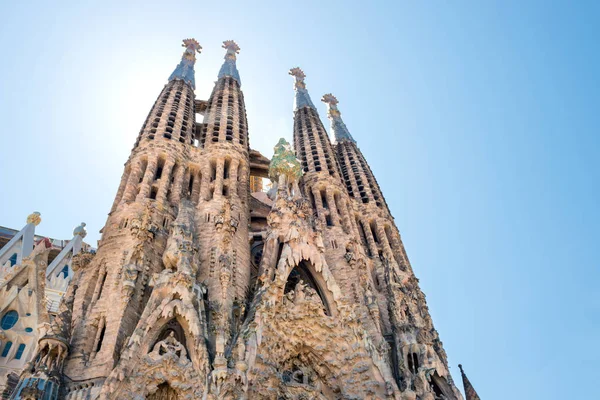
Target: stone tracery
(190,298)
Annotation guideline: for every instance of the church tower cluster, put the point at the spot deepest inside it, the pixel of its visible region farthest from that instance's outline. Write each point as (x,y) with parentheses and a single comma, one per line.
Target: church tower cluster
(204,286)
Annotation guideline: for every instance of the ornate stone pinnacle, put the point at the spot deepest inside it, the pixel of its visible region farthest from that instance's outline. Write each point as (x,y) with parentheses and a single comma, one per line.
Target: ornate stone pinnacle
(192,46)
(232,48)
(229,68)
(332,103)
(34,218)
(329,99)
(302,97)
(338,127)
(80,230)
(299,75)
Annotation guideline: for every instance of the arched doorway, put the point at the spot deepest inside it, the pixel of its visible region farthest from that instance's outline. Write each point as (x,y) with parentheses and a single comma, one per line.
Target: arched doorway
(164,392)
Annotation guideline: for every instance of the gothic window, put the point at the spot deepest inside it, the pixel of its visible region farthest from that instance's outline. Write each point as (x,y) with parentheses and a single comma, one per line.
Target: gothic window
(213,171)
(9,320)
(20,351)
(6,349)
(153,193)
(324,200)
(13,259)
(413,362)
(159,169)
(226,169)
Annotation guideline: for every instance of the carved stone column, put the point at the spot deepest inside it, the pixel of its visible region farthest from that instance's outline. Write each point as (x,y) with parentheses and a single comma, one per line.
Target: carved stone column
(233,177)
(219,178)
(333,211)
(133,182)
(147,180)
(177,184)
(319,205)
(165,181)
(370,239)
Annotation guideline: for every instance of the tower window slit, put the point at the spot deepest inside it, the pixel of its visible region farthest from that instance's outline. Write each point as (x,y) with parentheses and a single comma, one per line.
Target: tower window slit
(101,337)
(159,169)
(324,200)
(213,171)
(415,362)
(373,227)
(102,282)
(363,237)
(190,186)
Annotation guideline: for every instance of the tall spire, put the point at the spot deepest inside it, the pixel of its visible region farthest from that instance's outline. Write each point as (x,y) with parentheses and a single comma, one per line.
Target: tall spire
(229,68)
(185,69)
(470,393)
(302,97)
(340,131)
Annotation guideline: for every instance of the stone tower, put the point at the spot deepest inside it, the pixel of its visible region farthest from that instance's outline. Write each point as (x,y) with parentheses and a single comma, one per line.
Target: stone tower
(204,289)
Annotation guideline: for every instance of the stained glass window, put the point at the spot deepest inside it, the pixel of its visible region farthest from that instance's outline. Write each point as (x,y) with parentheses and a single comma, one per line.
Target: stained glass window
(20,351)
(9,319)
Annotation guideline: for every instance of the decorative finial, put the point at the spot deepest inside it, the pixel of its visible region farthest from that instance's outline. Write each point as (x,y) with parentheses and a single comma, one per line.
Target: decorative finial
(185,70)
(332,103)
(299,75)
(80,231)
(232,49)
(34,218)
(191,47)
(284,162)
(229,68)
(340,131)
(302,97)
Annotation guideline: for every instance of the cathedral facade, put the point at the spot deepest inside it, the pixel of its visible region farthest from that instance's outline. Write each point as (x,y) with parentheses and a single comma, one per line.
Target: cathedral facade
(205,287)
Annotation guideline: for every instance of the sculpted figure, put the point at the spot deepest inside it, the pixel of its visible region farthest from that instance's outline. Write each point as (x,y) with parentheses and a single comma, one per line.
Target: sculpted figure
(170,345)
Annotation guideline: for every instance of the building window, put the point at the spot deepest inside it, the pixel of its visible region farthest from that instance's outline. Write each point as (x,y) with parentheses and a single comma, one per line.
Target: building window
(64,271)
(9,320)
(13,259)
(20,351)
(7,347)
(28,330)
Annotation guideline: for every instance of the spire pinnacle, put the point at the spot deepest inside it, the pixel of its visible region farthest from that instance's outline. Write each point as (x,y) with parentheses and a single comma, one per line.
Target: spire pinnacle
(229,68)
(302,97)
(470,393)
(185,70)
(338,127)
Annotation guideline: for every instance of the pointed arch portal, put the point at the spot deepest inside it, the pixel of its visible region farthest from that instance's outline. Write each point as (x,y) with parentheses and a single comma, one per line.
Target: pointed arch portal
(301,272)
(164,392)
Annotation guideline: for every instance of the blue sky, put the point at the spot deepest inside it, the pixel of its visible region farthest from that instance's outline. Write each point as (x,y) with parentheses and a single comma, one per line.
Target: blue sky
(480,120)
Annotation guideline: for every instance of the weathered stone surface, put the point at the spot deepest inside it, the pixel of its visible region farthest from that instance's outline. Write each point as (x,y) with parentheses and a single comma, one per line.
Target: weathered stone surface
(200,291)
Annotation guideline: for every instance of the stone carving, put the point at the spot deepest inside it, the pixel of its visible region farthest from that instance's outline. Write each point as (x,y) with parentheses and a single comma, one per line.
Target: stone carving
(171,306)
(169,347)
